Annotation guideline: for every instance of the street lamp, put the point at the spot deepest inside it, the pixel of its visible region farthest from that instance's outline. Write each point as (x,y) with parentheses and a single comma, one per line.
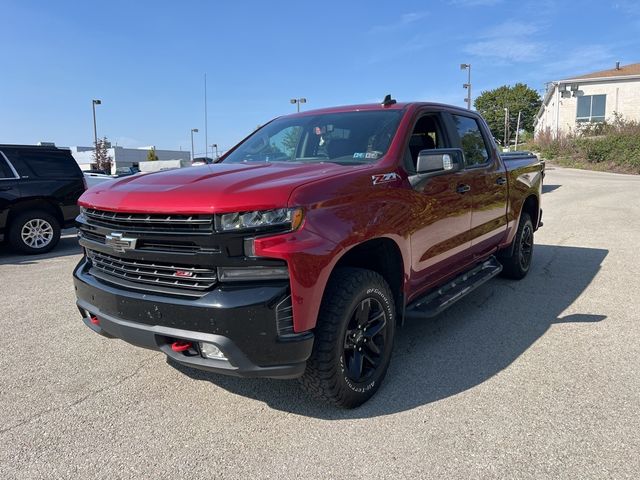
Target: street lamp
(298,101)
(193,130)
(215,145)
(95,130)
(467,67)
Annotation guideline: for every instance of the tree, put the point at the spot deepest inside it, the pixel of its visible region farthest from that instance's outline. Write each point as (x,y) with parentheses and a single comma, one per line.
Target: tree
(101,156)
(519,98)
(151,155)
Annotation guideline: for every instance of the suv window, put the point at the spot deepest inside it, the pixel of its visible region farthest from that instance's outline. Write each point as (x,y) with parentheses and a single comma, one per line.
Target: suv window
(5,170)
(471,140)
(50,164)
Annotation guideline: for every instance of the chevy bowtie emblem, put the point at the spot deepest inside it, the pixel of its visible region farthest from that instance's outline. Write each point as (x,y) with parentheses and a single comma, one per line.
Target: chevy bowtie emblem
(118,243)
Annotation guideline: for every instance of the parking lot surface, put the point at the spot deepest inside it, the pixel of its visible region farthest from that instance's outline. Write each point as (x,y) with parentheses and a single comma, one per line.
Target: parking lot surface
(532,379)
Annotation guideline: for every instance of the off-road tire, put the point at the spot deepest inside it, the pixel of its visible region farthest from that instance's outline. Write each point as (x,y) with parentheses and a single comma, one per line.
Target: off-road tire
(517,263)
(326,376)
(49,223)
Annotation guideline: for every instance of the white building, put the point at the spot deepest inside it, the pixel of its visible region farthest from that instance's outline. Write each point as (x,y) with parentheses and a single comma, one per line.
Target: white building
(125,157)
(593,97)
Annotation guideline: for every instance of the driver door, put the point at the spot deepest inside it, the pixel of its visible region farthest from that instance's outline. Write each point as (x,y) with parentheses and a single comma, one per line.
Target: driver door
(440,213)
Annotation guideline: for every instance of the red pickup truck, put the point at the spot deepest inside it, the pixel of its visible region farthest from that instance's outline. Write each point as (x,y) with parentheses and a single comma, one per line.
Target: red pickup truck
(300,252)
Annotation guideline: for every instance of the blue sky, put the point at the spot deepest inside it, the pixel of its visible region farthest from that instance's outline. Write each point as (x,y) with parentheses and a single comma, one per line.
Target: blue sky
(146,60)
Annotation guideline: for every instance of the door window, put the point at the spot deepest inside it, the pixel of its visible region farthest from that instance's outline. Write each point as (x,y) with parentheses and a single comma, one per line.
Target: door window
(5,170)
(471,140)
(426,135)
(50,164)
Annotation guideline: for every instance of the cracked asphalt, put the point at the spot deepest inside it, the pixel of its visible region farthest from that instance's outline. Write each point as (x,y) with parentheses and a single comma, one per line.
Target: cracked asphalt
(530,379)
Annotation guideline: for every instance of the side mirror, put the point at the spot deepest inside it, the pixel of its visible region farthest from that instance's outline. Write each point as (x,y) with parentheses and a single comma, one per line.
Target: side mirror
(439,161)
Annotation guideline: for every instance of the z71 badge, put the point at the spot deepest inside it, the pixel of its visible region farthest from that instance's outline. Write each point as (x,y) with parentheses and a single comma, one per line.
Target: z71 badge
(384,178)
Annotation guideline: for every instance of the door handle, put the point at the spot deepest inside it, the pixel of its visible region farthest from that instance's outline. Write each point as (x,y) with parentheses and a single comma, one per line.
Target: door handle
(463,188)
(4,189)
(501,180)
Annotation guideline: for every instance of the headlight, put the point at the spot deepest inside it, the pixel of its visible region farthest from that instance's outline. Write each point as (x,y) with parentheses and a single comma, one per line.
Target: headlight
(289,218)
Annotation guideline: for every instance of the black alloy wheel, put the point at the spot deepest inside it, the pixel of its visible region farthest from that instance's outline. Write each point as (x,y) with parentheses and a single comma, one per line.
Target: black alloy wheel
(526,246)
(365,340)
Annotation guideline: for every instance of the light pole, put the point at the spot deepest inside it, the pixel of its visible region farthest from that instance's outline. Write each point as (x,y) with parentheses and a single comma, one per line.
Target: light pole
(215,145)
(95,102)
(298,101)
(193,130)
(467,67)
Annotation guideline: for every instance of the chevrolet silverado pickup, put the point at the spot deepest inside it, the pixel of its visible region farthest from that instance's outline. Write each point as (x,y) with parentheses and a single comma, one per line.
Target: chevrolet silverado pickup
(300,252)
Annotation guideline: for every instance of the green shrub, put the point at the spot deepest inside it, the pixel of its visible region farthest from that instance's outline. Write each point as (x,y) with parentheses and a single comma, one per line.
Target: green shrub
(613,145)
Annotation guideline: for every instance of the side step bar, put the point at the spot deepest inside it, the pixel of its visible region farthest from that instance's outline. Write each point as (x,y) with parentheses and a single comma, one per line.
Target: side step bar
(436,301)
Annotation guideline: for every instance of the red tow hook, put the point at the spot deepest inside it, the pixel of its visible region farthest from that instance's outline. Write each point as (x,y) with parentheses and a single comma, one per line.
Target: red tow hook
(94,320)
(180,346)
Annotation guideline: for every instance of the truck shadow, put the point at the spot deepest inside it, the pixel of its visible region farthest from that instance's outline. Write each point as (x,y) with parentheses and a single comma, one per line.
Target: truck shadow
(465,346)
(549,188)
(68,245)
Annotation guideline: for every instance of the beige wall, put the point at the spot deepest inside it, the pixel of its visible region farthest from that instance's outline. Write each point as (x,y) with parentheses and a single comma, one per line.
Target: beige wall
(623,96)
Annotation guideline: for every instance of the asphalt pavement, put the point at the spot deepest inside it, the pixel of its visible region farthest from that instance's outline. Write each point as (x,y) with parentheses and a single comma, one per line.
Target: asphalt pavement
(532,379)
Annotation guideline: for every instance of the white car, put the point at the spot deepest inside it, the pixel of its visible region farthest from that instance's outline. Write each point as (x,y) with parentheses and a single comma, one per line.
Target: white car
(96,178)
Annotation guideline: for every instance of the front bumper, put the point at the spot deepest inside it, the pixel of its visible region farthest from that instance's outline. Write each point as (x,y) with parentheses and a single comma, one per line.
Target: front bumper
(239,319)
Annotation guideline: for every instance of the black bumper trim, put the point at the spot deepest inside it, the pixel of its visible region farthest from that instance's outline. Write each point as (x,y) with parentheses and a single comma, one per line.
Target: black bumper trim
(154,338)
(240,320)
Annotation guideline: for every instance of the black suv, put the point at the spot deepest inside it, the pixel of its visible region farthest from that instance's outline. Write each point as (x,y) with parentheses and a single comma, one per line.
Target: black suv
(39,190)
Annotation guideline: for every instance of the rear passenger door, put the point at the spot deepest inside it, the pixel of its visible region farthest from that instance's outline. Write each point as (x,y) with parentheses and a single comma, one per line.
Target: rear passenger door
(488,184)
(49,173)
(9,188)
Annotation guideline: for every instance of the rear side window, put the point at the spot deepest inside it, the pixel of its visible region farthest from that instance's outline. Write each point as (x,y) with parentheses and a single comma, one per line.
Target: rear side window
(471,140)
(50,164)
(5,171)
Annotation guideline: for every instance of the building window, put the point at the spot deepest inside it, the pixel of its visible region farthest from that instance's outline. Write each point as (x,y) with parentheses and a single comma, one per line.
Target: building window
(591,108)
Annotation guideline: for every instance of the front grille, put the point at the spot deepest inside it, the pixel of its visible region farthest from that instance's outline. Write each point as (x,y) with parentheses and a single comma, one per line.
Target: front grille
(151,245)
(150,222)
(154,273)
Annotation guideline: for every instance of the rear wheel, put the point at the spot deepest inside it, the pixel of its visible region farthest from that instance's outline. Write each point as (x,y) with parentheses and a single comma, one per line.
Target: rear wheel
(353,339)
(34,232)
(516,265)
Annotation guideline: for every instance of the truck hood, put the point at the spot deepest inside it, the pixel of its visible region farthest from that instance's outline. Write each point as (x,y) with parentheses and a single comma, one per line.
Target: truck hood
(209,189)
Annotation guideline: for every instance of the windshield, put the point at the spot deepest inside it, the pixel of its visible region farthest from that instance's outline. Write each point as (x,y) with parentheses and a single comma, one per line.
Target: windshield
(345,138)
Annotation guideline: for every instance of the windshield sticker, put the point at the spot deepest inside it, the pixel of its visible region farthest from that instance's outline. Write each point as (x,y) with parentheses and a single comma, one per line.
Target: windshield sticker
(366,155)
(384,178)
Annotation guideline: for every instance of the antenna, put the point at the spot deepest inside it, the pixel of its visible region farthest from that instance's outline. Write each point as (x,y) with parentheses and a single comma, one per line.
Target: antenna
(388,101)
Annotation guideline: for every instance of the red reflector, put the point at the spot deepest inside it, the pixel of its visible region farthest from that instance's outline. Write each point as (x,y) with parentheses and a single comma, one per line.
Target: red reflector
(94,320)
(181,346)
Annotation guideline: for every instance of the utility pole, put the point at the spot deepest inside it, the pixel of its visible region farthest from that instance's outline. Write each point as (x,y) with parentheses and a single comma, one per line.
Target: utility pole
(506,128)
(95,130)
(467,67)
(206,130)
(518,128)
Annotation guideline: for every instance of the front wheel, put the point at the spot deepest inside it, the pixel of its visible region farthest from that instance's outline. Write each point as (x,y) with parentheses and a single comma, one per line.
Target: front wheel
(34,232)
(353,339)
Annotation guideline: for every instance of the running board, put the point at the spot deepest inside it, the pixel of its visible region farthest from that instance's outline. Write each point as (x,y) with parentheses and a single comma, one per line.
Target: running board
(436,301)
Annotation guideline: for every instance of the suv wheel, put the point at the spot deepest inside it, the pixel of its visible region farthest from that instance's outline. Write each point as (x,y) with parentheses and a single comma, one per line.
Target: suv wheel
(354,339)
(34,232)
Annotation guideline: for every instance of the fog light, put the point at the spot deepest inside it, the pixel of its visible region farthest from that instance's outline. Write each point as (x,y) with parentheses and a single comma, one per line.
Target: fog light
(209,350)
